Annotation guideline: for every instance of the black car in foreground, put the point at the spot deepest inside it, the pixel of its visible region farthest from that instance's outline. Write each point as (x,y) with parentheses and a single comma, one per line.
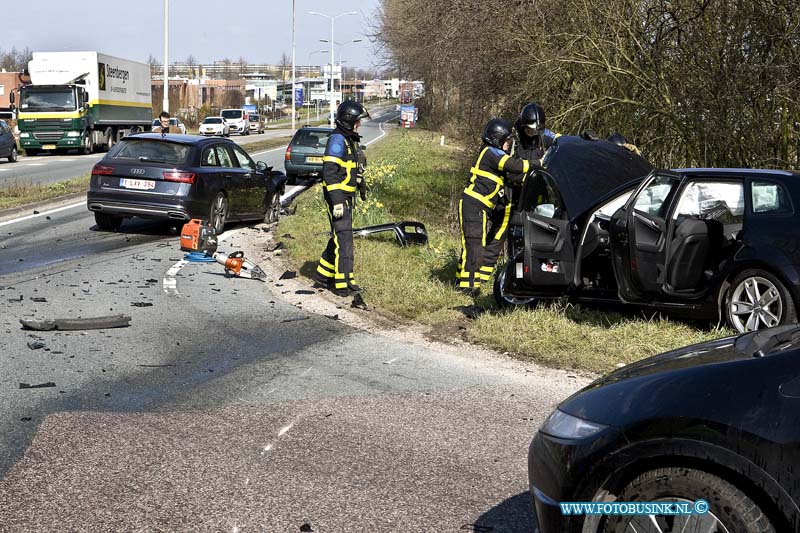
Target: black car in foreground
(600,224)
(180,177)
(717,421)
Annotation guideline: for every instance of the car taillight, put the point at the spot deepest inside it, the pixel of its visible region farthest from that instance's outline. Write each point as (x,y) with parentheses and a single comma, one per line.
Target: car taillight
(102,170)
(182,177)
(288,155)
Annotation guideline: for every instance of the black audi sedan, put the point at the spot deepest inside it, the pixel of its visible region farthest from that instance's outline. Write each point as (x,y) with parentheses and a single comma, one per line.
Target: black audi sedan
(180,177)
(600,224)
(717,421)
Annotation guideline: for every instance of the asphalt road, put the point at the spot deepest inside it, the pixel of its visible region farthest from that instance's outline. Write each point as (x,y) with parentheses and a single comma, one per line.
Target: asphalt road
(50,168)
(227,406)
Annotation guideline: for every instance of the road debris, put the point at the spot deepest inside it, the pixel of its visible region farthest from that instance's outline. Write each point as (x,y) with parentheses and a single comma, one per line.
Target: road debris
(141,304)
(39,300)
(304,291)
(278,246)
(295,319)
(332,317)
(406,232)
(75,324)
(358,302)
(39,386)
(470,311)
(36,345)
(289,274)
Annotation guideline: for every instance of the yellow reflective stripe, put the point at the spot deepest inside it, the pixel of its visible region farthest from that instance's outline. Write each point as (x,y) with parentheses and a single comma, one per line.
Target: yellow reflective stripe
(482,199)
(326,264)
(341,187)
(502,162)
(525,166)
(486,269)
(463,239)
(488,175)
(322,270)
(342,163)
(341,285)
(556,136)
(483,237)
(504,225)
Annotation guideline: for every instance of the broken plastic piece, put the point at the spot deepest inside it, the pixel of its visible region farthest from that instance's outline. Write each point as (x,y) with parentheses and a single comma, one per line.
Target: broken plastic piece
(39,386)
(295,319)
(36,345)
(74,324)
(406,232)
(141,304)
(289,274)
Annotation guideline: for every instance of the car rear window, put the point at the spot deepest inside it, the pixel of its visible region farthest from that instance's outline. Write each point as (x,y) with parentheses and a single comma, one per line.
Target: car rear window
(312,138)
(151,150)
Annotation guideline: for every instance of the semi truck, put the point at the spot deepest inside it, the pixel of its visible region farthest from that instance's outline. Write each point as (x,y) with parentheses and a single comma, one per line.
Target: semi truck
(82,100)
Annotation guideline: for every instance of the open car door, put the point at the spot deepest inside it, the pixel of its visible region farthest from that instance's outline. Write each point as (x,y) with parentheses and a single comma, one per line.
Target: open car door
(546,263)
(639,237)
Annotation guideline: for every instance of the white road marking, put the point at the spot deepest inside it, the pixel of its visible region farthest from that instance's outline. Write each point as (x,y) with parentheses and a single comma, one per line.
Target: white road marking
(390,361)
(4,169)
(33,165)
(42,214)
(284,429)
(306,372)
(170,282)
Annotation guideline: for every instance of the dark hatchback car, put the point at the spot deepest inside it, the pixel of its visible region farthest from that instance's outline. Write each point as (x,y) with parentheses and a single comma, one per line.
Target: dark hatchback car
(8,143)
(599,224)
(180,177)
(718,421)
(304,154)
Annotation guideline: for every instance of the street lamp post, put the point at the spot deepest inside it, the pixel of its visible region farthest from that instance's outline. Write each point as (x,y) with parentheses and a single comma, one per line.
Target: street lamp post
(165,103)
(341,55)
(293,71)
(332,19)
(316,102)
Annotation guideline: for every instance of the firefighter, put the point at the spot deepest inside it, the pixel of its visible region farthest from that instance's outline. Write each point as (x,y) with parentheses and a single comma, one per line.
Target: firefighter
(483,228)
(342,175)
(534,137)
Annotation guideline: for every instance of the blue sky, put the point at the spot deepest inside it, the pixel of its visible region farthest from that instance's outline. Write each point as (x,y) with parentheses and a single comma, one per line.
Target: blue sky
(258,30)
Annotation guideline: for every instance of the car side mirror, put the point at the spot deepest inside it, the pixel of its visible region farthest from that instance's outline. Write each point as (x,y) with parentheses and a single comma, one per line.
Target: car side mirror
(261,166)
(545,210)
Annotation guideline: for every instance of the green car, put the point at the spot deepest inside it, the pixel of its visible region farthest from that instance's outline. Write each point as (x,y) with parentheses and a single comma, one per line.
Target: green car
(303,159)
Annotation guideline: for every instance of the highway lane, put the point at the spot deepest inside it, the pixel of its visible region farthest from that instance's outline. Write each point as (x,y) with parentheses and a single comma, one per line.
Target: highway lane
(70,233)
(50,168)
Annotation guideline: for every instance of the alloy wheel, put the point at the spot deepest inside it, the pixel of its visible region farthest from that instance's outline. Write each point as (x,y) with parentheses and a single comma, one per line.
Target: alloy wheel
(219,212)
(501,297)
(705,523)
(755,304)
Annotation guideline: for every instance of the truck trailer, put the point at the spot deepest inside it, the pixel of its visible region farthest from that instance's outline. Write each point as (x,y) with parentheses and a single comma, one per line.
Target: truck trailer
(82,100)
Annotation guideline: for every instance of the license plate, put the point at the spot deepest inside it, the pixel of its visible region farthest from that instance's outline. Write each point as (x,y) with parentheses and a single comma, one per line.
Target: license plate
(314,159)
(48,147)
(137,184)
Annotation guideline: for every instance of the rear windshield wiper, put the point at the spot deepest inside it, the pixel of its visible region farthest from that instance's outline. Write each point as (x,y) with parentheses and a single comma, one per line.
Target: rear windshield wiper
(149,160)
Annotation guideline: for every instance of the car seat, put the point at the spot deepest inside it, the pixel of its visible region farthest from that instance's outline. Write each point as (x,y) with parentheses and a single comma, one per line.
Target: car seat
(690,248)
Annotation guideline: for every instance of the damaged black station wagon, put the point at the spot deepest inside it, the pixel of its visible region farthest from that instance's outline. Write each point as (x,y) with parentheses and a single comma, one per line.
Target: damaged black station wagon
(600,224)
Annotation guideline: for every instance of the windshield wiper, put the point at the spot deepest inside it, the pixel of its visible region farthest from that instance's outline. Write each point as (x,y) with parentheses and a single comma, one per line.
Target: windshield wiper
(149,160)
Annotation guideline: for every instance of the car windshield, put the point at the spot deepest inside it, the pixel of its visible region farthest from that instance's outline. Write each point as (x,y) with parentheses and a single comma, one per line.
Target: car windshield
(232,113)
(212,121)
(157,151)
(48,100)
(314,138)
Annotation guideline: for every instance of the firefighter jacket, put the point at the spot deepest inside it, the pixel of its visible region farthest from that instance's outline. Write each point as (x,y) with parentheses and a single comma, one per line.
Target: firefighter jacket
(493,170)
(340,165)
(533,148)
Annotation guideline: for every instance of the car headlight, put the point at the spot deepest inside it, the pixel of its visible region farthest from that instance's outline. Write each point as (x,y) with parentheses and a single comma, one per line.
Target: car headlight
(73,134)
(564,426)
(24,135)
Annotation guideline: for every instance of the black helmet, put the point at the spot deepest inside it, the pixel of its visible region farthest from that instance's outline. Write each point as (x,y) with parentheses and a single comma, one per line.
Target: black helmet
(496,132)
(531,116)
(348,113)
(617,138)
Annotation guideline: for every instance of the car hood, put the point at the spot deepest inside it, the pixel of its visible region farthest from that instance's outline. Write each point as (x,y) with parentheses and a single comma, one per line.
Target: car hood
(676,383)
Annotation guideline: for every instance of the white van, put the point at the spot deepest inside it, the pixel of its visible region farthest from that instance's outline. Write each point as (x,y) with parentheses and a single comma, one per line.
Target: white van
(237,120)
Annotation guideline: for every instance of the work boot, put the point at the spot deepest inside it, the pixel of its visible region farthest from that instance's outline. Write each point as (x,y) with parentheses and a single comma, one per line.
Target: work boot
(320,280)
(352,287)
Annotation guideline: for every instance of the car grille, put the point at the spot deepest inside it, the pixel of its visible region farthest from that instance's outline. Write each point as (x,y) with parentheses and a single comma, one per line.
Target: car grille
(48,135)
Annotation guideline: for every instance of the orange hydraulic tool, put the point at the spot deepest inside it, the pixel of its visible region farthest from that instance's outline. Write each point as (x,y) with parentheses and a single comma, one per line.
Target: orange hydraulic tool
(237,265)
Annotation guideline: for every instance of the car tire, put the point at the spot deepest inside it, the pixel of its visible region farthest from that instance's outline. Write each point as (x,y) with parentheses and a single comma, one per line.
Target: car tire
(31,153)
(273,212)
(727,504)
(88,144)
(218,214)
(504,300)
(756,300)
(106,222)
(108,137)
(12,158)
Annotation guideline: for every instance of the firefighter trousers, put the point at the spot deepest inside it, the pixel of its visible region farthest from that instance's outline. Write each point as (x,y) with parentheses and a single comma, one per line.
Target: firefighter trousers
(336,264)
(483,234)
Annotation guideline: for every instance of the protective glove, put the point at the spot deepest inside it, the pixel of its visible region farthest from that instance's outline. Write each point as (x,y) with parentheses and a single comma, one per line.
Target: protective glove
(338,211)
(362,188)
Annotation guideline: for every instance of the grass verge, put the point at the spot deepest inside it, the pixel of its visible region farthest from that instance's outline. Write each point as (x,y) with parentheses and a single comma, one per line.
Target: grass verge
(18,194)
(413,178)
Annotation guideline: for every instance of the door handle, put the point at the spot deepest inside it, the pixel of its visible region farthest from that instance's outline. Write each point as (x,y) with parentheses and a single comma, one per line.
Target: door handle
(647,221)
(544,225)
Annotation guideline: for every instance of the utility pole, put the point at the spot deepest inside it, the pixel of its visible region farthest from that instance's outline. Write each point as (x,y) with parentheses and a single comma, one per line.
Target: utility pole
(165,104)
(293,69)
